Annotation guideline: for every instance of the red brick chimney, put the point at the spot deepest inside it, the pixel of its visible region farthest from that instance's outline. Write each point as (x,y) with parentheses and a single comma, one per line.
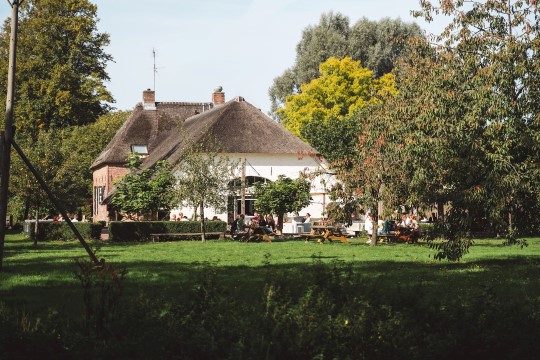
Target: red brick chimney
(149,99)
(218,97)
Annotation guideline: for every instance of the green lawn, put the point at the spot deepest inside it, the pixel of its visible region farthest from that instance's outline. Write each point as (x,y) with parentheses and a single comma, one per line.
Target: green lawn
(50,266)
(491,281)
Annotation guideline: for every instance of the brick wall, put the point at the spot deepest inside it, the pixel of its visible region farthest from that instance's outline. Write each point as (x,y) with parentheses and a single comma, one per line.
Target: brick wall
(103,182)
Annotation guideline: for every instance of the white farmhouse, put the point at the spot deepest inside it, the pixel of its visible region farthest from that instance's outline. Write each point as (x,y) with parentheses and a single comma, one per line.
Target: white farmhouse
(158,131)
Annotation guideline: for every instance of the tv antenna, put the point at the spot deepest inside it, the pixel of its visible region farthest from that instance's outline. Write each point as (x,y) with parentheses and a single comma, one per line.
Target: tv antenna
(155,68)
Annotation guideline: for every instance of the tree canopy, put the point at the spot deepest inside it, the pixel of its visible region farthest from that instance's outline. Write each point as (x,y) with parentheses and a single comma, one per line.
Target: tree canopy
(63,158)
(376,44)
(282,196)
(342,88)
(61,65)
(203,179)
(462,129)
(145,191)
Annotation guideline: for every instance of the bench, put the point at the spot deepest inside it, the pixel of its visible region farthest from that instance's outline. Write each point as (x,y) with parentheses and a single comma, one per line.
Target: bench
(323,233)
(157,237)
(254,234)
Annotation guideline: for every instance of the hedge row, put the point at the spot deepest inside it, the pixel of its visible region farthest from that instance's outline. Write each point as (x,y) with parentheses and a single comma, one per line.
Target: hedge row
(62,231)
(140,230)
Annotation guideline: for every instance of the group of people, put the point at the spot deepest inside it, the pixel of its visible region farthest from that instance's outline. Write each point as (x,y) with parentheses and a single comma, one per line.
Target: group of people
(179,217)
(408,226)
(259,224)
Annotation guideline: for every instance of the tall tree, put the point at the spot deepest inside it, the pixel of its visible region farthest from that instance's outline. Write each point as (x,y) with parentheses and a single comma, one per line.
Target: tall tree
(342,88)
(60,67)
(282,196)
(203,179)
(376,44)
(495,46)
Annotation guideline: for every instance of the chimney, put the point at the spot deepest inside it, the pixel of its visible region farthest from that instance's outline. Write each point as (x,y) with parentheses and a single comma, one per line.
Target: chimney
(149,99)
(218,97)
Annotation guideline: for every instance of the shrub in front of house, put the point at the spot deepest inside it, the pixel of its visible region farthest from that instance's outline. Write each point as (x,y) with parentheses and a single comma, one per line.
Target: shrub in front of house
(62,231)
(141,230)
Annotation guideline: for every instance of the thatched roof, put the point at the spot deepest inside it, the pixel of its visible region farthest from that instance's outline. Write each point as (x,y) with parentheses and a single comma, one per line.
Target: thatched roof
(147,127)
(239,127)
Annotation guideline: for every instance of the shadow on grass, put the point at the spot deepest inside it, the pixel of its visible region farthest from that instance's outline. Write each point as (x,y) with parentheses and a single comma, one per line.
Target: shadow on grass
(439,279)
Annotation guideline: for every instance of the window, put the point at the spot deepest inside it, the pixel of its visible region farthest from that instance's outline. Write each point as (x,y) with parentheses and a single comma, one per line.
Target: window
(139,149)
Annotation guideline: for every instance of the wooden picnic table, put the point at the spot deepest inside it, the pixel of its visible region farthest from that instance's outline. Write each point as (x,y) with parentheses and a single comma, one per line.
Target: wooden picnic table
(325,232)
(255,231)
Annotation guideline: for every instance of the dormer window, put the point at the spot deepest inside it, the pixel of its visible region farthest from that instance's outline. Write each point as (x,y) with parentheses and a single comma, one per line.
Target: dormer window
(140,149)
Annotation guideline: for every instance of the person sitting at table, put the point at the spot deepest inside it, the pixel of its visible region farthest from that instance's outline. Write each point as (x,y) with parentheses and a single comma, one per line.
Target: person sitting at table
(255,219)
(368,224)
(270,223)
(380,226)
(307,218)
(263,226)
(405,221)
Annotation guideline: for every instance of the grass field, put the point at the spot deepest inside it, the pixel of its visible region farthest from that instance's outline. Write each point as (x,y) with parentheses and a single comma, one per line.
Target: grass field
(36,279)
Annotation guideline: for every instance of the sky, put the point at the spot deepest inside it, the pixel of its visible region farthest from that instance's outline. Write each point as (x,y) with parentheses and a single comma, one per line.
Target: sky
(241,45)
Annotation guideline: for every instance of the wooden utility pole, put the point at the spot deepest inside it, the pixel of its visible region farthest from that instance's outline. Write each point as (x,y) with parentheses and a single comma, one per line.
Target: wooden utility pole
(243,188)
(5,156)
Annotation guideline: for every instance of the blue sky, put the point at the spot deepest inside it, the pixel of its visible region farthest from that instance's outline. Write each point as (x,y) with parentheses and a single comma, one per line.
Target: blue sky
(241,45)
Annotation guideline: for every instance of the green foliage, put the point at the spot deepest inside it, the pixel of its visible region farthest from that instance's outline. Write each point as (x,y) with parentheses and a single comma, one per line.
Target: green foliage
(63,158)
(144,191)
(61,65)
(342,88)
(80,147)
(477,123)
(102,294)
(376,44)
(282,196)
(133,231)
(60,231)
(385,307)
(204,177)
(333,139)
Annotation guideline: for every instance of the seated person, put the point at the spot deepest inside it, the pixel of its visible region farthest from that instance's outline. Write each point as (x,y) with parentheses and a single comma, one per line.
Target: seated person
(380,226)
(368,224)
(270,223)
(389,226)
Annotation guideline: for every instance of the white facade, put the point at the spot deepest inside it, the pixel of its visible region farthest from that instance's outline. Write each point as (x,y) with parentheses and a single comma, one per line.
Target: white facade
(270,167)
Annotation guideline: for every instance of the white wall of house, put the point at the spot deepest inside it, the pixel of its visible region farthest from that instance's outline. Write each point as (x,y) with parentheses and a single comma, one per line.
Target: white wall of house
(271,166)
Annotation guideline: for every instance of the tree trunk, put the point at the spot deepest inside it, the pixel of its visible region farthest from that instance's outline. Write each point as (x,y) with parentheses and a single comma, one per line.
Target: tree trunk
(440,211)
(280,223)
(375,220)
(203,225)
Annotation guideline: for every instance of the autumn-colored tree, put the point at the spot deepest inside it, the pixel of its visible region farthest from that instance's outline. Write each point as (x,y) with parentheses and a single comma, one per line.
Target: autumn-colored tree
(342,88)
(493,49)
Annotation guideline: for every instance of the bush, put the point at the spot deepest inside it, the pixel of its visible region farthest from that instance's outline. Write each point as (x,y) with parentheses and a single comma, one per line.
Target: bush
(428,231)
(140,231)
(62,231)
